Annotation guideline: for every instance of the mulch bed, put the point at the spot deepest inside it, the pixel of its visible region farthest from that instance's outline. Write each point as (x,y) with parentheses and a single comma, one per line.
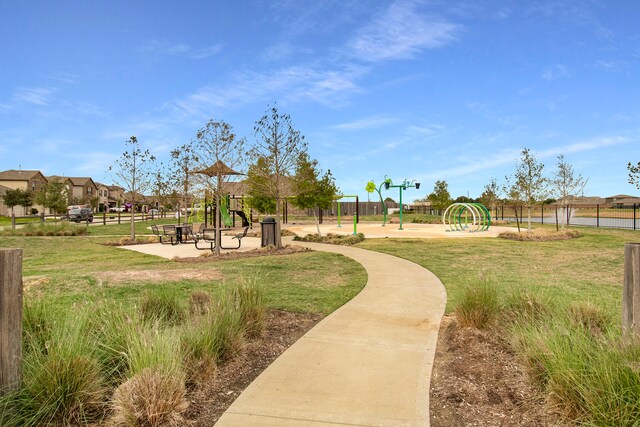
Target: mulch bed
(477,380)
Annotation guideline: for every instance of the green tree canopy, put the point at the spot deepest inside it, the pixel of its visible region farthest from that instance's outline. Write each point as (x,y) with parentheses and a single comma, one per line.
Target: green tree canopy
(17,197)
(440,197)
(54,196)
(312,188)
(530,186)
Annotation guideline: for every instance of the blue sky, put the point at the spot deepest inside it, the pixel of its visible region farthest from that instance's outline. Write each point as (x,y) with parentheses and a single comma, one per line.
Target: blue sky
(422,90)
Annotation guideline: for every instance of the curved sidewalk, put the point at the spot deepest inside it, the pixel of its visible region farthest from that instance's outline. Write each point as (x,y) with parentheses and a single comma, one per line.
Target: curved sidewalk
(367,364)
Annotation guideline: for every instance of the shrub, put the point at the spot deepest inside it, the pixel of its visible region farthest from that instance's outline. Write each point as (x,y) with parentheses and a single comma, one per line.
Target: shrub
(588,379)
(45,229)
(163,305)
(540,235)
(212,339)
(62,383)
(151,398)
(479,307)
(249,299)
(333,239)
(525,308)
(199,303)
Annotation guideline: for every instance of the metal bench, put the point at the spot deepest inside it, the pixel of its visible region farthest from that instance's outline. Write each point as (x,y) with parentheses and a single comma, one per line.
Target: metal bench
(238,236)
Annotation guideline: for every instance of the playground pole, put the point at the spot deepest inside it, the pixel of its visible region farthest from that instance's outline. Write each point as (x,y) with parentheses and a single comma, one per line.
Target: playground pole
(400,208)
(355,224)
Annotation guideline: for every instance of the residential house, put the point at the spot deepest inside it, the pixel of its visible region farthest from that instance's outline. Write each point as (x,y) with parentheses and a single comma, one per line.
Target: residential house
(115,196)
(614,199)
(27,180)
(103,197)
(83,191)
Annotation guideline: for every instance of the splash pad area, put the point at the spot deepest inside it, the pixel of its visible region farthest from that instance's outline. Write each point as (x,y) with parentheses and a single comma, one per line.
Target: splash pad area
(373,230)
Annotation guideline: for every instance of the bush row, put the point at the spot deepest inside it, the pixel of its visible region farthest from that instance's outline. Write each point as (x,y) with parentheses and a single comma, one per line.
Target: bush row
(332,239)
(44,229)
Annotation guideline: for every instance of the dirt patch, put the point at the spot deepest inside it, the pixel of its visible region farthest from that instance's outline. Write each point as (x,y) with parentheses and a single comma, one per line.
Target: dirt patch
(282,330)
(477,381)
(115,277)
(540,235)
(268,251)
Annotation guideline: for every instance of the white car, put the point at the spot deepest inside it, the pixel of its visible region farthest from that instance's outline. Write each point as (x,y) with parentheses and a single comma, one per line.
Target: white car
(117,209)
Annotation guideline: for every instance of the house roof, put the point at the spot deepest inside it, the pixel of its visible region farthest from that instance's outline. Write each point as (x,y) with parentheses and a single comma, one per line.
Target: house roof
(81,181)
(57,177)
(620,196)
(628,200)
(18,175)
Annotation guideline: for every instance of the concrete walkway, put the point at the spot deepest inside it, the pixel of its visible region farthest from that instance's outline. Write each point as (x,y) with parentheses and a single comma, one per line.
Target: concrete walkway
(367,364)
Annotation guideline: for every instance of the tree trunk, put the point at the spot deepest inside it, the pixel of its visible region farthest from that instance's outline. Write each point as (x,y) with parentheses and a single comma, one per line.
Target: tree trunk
(317,222)
(217,223)
(133,220)
(528,218)
(278,236)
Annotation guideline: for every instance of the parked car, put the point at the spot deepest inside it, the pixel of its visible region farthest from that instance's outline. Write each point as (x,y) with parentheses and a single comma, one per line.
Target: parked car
(79,214)
(117,209)
(153,212)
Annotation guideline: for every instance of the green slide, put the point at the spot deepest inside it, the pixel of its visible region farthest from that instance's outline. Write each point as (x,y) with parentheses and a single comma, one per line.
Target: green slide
(228,222)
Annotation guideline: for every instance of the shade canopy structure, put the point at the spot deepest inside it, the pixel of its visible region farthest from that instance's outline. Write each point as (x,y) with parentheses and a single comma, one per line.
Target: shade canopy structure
(218,169)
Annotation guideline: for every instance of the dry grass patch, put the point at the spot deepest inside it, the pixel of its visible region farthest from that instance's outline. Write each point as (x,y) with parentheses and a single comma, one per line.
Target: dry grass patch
(130,276)
(151,398)
(540,235)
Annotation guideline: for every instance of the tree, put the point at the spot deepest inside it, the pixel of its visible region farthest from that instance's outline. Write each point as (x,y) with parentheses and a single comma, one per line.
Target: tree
(160,185)
(132,172)
(566,185)
(491,194)
(634,174)
(53,196)
(440,197)
(219,148)
(530,186)
(184,161)
(17,197)
(311,188)
(277,150)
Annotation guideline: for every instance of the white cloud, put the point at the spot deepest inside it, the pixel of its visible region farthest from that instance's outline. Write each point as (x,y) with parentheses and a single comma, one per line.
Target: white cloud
(37,95)
(588,145)
(401,33)
(295,84)
(366,123)
(555,72)
(64,78)
(206,52)
(163,47)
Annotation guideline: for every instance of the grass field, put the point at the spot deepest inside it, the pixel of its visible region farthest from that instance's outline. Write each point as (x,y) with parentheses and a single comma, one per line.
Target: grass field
(588,268)
(77,270)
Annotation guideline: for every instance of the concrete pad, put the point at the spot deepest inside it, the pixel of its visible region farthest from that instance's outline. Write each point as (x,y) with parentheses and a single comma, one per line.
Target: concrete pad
(376,230)
(188,250)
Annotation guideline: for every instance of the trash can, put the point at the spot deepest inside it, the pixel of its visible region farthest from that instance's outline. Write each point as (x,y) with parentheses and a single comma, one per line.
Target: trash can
(268,230)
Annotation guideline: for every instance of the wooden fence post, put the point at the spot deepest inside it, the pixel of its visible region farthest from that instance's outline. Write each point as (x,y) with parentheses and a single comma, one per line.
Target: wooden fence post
(631,290)
(10,319)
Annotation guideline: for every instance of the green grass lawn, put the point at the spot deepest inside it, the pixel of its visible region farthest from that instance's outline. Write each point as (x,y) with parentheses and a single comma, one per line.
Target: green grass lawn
(587,269)
(68,271)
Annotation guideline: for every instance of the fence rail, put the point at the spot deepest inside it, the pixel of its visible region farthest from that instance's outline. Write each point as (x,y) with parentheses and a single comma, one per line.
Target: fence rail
(600,215)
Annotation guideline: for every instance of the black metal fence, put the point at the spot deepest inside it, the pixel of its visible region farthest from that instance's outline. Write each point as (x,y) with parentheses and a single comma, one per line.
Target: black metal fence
(600,215)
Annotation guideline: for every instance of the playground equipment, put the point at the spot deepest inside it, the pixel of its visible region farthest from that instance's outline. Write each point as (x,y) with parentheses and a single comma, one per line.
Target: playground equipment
(355,217)
(371,187)
(405,184)
(452,218)
(201,209)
